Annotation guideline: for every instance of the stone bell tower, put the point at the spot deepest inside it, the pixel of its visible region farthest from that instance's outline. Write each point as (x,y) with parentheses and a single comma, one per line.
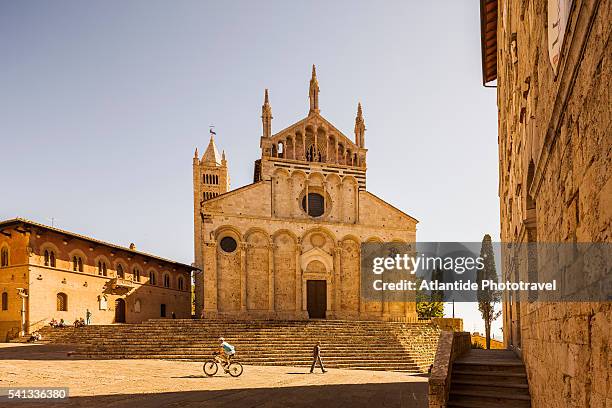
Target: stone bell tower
(210,179)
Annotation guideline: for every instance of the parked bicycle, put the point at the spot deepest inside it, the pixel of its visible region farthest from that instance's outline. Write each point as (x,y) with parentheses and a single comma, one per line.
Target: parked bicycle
(211,367)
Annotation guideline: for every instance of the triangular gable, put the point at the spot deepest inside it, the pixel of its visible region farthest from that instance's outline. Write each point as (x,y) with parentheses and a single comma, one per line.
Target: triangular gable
(389,206)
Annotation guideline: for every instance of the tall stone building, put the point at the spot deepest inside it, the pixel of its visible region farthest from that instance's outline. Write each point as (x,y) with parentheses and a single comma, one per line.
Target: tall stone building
(287,246)
(551,61)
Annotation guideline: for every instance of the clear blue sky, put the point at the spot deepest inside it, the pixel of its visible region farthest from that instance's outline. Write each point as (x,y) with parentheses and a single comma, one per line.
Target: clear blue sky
(102,104)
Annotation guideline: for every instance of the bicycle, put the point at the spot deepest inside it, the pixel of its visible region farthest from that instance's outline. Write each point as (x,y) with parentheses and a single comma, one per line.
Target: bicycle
(212,366)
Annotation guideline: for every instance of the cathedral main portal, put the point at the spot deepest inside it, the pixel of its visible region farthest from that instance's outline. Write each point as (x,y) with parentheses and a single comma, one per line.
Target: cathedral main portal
(316,293)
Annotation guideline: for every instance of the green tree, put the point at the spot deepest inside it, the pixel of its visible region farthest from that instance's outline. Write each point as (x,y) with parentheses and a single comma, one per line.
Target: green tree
(487,298)
(429,305)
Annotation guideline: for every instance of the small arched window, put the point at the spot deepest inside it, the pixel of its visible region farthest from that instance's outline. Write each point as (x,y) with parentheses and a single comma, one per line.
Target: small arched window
(77,263)
(102,302)
(180,283)
(136,275)
(120,272)
(152,279)
(102,268)
(62,302)
(281,149)
(4,301)
(49,258)
(4,257)
(166,281)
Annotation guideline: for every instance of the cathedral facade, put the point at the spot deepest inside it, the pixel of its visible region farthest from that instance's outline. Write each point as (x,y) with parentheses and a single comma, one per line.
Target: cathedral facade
(288,245)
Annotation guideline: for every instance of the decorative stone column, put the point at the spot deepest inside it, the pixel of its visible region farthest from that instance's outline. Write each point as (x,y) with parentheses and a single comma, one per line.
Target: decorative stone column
(361,300)
(303,143)
(337,283)
(271,248)
(243,277)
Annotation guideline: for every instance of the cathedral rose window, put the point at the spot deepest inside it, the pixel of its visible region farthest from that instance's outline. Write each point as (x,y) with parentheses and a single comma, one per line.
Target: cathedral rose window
(316,204)
(228,244)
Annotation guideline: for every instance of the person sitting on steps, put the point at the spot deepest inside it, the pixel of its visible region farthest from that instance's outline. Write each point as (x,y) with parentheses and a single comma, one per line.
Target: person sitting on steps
(226,351)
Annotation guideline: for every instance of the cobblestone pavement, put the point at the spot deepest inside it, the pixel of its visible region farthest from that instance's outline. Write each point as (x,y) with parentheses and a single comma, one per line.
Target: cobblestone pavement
(159,383)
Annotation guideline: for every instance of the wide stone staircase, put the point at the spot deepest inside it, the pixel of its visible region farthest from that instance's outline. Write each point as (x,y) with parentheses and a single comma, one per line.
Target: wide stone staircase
(489,378)
(345,344)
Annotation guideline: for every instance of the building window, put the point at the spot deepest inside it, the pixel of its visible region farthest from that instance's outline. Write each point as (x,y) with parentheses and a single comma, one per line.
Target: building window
(4,257)
(77,264)
(102,302)
(166,281)
(4,301)
(102,268)
(62,302)
(180,283)
(49,258)
(316,204)
(120,272)
(228,244)
(137,306)
(136,274)
(152,279)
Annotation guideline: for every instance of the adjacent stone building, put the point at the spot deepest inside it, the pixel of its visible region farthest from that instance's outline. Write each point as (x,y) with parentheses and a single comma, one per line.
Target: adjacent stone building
(287,246)
(551,60)
(48,273)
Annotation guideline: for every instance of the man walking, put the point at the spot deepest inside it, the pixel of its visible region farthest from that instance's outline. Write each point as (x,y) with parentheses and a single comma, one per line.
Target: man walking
(316,358)
(88,317)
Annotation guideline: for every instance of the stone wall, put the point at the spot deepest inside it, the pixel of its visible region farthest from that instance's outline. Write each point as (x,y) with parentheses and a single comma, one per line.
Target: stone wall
(451,346)
(555,154)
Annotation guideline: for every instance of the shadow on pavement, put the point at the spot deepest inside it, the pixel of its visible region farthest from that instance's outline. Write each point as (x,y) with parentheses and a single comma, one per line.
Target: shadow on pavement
(38,351)
(390,395)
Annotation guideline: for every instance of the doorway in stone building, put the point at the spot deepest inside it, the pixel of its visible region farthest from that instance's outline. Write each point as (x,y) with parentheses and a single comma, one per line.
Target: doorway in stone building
(119,311)
(316,298)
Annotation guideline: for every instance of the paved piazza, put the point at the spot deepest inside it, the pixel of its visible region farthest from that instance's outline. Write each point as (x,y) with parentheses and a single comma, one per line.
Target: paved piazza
(160,383)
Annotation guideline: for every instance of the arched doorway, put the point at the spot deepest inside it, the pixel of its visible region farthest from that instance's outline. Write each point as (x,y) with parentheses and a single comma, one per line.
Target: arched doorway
(119,311)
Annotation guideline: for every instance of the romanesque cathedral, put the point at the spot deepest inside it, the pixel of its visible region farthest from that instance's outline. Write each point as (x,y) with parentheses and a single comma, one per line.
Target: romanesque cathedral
(287,246)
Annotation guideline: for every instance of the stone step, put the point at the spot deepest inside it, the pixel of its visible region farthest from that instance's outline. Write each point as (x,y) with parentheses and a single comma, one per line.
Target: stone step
(480,387)
(474,367)
(496,376)
(487,400)
(346,344)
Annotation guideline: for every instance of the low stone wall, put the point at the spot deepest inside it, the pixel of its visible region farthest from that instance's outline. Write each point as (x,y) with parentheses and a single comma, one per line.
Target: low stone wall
(448,323)
(450,346)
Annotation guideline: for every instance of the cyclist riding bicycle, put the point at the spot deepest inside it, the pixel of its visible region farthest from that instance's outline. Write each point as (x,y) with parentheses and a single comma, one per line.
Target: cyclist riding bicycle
(226,351)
